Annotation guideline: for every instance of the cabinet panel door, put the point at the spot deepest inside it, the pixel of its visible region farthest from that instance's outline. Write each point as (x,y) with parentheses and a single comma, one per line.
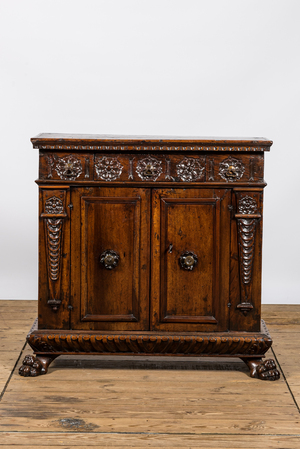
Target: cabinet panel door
(190,259)
(110,258)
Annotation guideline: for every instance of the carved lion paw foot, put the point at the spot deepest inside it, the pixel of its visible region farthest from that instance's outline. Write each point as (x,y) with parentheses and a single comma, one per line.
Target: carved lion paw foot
(31,367)
(267,370)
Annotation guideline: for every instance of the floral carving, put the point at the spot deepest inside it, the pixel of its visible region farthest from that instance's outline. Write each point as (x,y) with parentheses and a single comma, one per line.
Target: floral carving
(189,169)
(149,168)
(108,168)
(231,169)
(54,205)
(247,205)
(68,168)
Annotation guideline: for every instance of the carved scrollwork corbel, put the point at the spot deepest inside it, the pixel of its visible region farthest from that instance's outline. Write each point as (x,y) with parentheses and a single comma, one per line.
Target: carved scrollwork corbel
(54,215)
(246,217)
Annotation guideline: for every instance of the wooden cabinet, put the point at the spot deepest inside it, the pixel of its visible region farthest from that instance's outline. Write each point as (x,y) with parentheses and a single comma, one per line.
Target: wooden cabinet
(150,246)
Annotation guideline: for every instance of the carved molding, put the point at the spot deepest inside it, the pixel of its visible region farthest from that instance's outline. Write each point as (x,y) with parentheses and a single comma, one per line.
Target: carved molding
(68,168)
(231,169)
(108,168)
(149,147)
(149,169)
(74,342)
(189,169)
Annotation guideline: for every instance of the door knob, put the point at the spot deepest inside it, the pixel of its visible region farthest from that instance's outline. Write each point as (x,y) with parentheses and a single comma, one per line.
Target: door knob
(231,172)
(188,260)
(109,259)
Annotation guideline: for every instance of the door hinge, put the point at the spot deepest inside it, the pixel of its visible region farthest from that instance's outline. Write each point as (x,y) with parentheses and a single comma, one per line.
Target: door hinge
(229,305)
(70,307)
(70,206)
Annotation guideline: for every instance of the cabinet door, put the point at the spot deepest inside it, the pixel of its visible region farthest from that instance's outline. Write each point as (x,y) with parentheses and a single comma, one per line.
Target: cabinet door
(190,259)
(110,251)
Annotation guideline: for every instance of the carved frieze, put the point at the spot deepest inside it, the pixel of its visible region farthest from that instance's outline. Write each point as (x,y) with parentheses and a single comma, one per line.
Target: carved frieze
(231,169)
(149,168)
(189,169)
(68,168)
(108,168)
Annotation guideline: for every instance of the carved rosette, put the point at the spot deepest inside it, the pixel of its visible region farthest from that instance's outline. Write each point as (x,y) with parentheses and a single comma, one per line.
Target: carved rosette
(247,205)
(149,169)
(246,236)
(231,169)
(68,168)
(108,168)
(54,205)
(54,216)
(189,169)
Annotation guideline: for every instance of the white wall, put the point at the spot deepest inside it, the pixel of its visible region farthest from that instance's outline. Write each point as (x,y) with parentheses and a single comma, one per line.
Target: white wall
(190,67)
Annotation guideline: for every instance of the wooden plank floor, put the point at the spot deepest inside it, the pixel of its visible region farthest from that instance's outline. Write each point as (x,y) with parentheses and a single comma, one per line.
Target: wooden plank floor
(148,402)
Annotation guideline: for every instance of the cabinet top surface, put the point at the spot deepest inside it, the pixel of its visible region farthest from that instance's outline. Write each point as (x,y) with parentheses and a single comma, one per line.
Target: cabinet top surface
(157,143)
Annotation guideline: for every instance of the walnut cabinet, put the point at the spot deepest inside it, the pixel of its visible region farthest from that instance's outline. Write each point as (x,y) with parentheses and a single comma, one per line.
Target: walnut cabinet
(150,246)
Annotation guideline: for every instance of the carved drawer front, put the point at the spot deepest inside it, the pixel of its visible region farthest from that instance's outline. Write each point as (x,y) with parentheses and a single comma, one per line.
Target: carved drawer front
(235,168)
(149,167)
(66,166)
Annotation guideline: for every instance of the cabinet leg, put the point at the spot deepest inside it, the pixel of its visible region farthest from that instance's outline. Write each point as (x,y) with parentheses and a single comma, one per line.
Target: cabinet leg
(35,366)
(263,369)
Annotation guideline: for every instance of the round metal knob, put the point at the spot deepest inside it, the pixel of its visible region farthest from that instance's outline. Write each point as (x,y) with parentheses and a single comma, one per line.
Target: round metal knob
(188,260)
(149,171)
(231,172)
(109,259)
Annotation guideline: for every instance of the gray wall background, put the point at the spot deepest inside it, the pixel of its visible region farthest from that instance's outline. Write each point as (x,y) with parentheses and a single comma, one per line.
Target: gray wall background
(223,68)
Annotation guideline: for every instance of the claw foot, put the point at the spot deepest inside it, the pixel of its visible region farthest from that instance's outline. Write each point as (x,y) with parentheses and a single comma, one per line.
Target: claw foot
(264,370)
(267,370)
(35,366)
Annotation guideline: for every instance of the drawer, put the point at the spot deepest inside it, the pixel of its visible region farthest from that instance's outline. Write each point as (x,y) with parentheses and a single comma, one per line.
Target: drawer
(237,168)
(178,168)
(66,166)
(185,168)
(149,167)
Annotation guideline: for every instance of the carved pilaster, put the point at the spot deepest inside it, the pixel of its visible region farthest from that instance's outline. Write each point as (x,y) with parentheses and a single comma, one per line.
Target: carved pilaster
(54,215)
(246,217)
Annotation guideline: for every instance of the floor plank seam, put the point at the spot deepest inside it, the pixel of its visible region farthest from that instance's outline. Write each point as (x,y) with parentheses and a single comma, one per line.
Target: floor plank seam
(285,379)
(16,432)
(12,371)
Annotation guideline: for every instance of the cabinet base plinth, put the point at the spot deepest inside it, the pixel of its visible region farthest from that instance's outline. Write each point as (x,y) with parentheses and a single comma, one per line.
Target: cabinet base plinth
(249,346)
